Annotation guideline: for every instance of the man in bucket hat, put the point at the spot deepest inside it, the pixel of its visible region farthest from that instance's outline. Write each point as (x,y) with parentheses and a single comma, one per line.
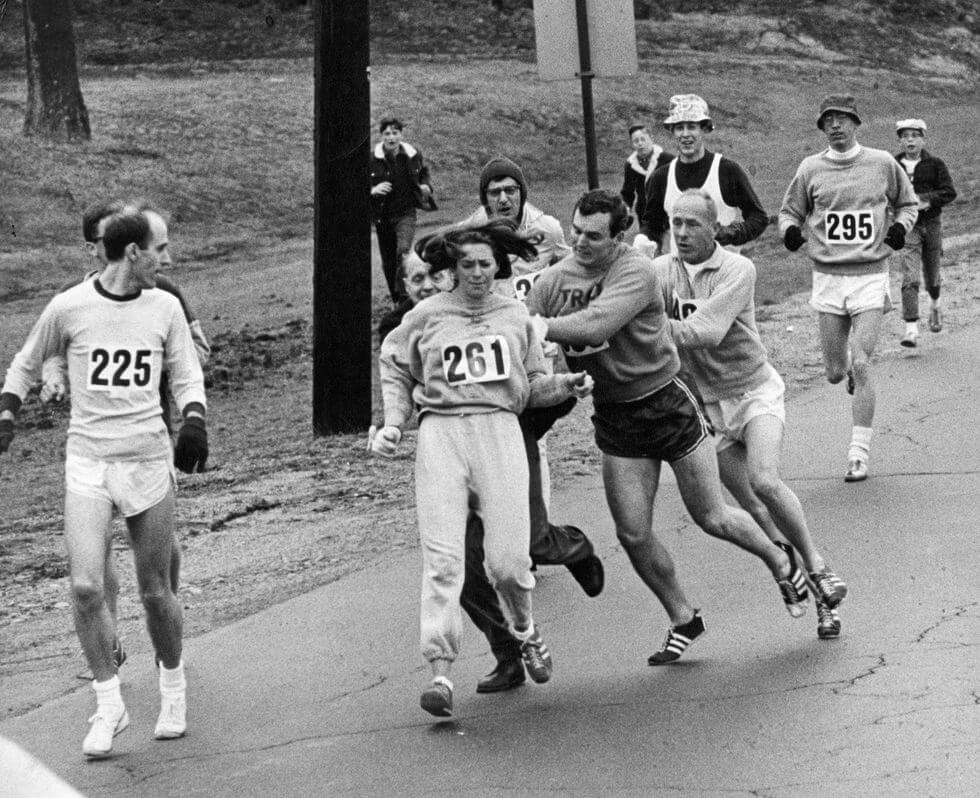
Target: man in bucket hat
(741,216)
(924,245)
(857,204)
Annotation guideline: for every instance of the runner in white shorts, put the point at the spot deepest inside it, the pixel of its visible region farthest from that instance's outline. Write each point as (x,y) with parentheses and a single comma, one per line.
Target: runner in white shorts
(709,292)
(857,202)
(118,333)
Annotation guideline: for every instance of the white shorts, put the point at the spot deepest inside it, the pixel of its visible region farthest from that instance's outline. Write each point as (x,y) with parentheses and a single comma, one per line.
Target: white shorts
(729,417)
(848,295)
(131,486)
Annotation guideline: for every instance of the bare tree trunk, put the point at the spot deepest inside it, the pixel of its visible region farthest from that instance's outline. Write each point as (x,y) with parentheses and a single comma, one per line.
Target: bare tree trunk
(55,108)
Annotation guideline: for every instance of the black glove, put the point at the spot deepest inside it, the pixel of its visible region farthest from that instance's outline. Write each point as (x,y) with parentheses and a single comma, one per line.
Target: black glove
(895,238)
(793,239)
(191,451)
(6,434)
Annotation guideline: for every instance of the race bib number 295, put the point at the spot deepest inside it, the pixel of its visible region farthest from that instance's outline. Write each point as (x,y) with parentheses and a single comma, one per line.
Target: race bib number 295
(484,359)
(849,227)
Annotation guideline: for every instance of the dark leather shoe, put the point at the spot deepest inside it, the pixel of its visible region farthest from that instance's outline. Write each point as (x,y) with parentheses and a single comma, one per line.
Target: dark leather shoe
(589,574)
(506,676)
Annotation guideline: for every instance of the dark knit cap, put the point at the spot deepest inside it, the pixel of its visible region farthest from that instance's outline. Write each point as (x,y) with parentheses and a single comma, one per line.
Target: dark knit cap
(498,168)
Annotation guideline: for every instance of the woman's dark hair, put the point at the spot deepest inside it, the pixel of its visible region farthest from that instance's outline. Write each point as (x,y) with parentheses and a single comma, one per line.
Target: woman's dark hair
(443,248)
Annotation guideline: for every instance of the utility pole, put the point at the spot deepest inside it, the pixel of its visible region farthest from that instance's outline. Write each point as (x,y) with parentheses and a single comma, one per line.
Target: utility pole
(342,218)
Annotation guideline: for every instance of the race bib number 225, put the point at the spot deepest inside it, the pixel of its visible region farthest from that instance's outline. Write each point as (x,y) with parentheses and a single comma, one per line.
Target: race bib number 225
(118,369)
(484,359)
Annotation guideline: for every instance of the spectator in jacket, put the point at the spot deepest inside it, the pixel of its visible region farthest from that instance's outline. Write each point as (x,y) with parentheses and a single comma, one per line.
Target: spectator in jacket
(924,243)
(645,159)
(400,184)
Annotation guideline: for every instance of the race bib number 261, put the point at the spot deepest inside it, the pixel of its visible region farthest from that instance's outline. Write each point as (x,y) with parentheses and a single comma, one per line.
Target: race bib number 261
(484,359)
(849,227)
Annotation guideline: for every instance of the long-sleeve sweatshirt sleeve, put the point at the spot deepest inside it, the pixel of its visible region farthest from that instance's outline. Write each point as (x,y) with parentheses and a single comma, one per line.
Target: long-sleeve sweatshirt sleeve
(736,191)
(438,359)
(610,321)
(731,293)
(712,320)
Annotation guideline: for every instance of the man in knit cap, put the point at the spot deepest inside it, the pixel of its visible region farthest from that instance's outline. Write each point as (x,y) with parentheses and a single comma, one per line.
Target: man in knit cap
(924,245)
(741,217)
(857,205)
(503,194)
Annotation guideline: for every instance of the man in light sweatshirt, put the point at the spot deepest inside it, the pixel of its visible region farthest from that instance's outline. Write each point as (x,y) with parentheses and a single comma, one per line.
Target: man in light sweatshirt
(709,294)
(857,204)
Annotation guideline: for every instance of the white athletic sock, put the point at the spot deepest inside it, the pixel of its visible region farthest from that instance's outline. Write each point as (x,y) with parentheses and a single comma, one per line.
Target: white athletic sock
(107,694)
(172,681)
(911,326)
(934,302)
(526,634)
(860,446)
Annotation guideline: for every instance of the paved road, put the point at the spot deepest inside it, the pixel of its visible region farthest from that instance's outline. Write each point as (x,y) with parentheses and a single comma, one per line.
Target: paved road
(319,695)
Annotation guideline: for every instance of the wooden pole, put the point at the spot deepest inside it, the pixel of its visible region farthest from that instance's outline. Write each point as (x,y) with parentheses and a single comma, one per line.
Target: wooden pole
(342,218)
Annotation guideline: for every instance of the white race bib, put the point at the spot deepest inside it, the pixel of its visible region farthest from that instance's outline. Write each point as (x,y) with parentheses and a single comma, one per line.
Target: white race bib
(849,227)
(484,359)
(119,370)
(522,284)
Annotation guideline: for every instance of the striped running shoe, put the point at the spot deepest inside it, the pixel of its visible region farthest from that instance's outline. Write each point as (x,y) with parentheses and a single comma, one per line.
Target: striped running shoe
(828,621)
(537,658)
(793,587)
(678,639)
(831,588)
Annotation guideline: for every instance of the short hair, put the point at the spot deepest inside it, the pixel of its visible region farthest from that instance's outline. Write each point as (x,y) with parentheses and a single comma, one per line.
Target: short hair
(389,121)
(95,213)
(121,230)
(637,126)
(442,249)
(601,200)
(709,201)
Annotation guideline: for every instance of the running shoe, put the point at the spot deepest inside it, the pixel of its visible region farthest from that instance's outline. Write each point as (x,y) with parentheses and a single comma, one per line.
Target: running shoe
(857,471)
(508,674)
(107,722)
(828,621)
(537,658)
(910,339)
(437,698)
(830,587)
(850,381)
(935,320)
(589,573)
(678,639)
(172,722)
(793,587)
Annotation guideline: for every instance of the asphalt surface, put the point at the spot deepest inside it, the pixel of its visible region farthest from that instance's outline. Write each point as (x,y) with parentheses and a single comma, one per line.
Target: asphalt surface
(319,695)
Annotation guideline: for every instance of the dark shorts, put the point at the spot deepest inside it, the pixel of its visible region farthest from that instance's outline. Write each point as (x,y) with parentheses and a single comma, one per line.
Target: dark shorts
(667,425)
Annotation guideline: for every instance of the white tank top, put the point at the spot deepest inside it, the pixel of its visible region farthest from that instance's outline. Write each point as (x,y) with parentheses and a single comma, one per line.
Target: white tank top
(726,213)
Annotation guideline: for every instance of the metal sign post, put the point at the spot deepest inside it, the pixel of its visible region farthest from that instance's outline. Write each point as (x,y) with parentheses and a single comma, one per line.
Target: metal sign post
(605,31)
